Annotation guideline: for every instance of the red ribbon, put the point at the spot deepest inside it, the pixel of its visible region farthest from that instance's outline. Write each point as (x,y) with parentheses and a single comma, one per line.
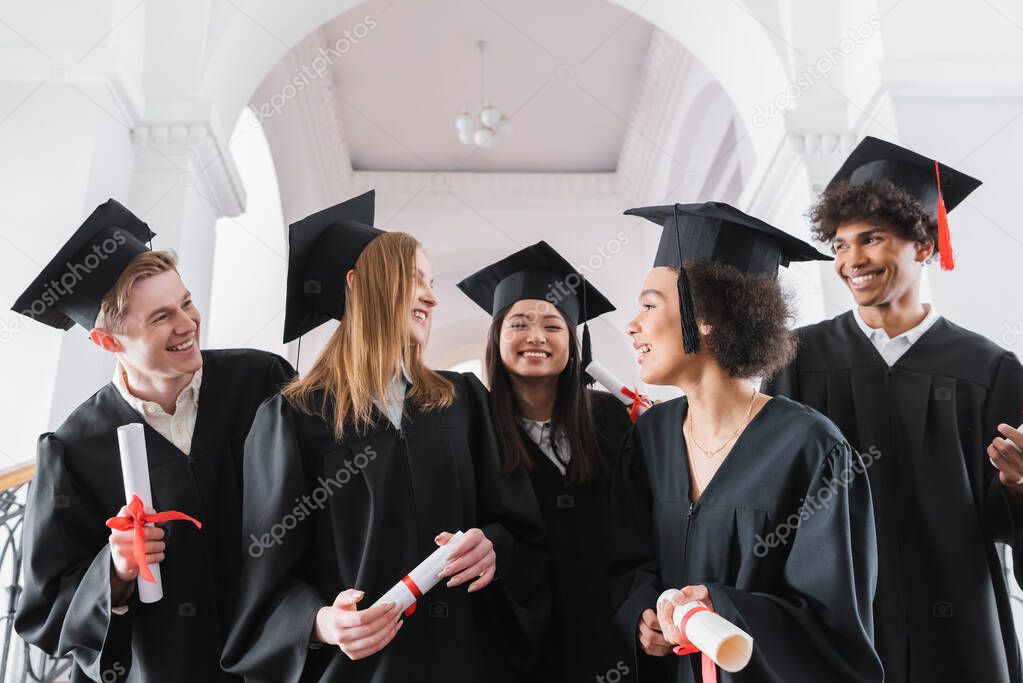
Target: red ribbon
(137,519)
(638,402)
(710,673)
(416,593)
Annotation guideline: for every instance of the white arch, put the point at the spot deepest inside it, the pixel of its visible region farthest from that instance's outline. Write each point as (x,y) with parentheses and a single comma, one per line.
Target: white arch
(244,47)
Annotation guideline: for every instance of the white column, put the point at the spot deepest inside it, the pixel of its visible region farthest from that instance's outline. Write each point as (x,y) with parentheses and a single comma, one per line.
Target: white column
(66,150)
(183,182)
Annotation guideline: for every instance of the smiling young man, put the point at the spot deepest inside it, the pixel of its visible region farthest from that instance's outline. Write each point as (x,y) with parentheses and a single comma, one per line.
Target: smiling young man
(79,587)
(928,396)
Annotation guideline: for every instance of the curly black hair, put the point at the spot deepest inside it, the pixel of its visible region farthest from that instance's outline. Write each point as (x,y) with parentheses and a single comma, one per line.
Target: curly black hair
(748,316)
(873,201)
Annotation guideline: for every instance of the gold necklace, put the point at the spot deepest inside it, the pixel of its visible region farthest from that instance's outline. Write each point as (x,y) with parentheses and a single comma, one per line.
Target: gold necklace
(696,477)
(710,453)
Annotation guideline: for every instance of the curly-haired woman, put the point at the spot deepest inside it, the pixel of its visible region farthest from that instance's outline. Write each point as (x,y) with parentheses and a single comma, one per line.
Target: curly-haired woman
(755,506)
(928,396)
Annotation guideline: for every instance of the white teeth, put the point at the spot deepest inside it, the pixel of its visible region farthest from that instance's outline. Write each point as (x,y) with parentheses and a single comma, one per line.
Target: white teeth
(419,315)
(534,354)
(860,279)
(184,346)
(645,348)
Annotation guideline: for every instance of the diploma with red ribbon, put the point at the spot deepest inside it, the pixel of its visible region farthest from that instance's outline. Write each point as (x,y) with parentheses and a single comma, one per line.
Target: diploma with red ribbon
(420,580)
(630,397)
(718,640)
(131,441)
(138,519)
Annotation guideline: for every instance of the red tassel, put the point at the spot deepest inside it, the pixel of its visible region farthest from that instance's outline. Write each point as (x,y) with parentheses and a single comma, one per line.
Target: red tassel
(944,237)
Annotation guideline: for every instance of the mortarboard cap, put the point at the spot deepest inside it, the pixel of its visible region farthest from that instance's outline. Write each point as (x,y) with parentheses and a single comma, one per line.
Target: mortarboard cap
(938,188)
(714,231)
(539,272)
(71,287)
(322,248)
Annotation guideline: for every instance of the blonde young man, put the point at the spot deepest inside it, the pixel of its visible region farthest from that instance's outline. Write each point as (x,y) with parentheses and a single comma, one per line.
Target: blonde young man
(197,406)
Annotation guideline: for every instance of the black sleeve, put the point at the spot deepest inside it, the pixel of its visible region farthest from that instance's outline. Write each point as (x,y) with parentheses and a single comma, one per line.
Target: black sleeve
(278,374)
(634,571)
(65,604)
(273,625)
(510,517)
(612,423)
(1003,513)
(821,626)
(785,382)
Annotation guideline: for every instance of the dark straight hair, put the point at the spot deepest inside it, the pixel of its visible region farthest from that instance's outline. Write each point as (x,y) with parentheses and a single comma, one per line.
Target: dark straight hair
(573,411)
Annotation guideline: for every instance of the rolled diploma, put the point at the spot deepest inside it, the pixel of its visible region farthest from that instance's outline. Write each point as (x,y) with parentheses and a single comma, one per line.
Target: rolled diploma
(131,440)
(611,383)
(424,575)
(728,645)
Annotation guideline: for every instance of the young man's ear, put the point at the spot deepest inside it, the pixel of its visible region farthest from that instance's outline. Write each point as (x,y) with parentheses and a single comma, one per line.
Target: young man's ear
(105,340)
(924,250)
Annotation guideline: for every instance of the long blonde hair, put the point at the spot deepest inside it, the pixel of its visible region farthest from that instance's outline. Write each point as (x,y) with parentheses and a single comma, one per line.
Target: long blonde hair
(368,348)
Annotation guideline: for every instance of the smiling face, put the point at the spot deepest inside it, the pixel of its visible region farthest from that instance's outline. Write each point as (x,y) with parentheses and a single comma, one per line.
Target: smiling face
(534,339)
(878,265)
(160,335)
(657,330)
(423,301)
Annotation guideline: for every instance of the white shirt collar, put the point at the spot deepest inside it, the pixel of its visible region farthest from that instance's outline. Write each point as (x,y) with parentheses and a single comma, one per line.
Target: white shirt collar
(554,446)
(189,393)
(911,335)
(393,403)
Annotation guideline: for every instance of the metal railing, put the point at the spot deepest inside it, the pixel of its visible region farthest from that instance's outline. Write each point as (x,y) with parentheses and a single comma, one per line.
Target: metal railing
(19,661)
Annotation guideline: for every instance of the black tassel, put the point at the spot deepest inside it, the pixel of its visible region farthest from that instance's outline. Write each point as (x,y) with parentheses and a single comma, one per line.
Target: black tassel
(587,352)
(690,333)
(587,358)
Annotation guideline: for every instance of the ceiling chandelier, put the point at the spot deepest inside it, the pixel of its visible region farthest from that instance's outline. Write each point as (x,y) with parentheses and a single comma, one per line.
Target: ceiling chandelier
(485,126)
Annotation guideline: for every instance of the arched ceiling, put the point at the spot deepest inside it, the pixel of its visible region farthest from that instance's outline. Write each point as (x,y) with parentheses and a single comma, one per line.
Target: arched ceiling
(567,73)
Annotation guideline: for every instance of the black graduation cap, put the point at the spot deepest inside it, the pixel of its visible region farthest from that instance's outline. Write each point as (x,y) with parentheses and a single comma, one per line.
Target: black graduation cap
(714,231)
(539,272)
(71,287)
(938,188)
(322,248)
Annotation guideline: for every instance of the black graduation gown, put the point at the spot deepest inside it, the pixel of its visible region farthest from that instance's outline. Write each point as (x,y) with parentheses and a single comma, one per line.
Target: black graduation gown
(582,642)
(942,609)
(804,593)
(361,513)
(65,606)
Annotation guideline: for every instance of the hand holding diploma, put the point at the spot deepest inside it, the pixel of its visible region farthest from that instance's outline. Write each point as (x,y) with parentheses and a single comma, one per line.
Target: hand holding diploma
(472,558)
(122,548)
(1006,454)
(636,402)
(138,519)
(688,619)
(666,605)
(357,634)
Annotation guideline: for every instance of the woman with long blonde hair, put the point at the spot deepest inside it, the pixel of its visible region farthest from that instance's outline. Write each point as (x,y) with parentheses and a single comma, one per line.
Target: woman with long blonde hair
(360,469)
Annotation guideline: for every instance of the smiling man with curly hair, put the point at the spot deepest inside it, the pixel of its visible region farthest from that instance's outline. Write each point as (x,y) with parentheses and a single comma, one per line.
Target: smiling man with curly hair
(928,396)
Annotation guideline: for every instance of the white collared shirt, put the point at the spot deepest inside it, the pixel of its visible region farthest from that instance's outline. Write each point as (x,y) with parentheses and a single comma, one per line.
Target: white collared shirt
(557,449)
(892,349)
(393,404)
(177,428)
